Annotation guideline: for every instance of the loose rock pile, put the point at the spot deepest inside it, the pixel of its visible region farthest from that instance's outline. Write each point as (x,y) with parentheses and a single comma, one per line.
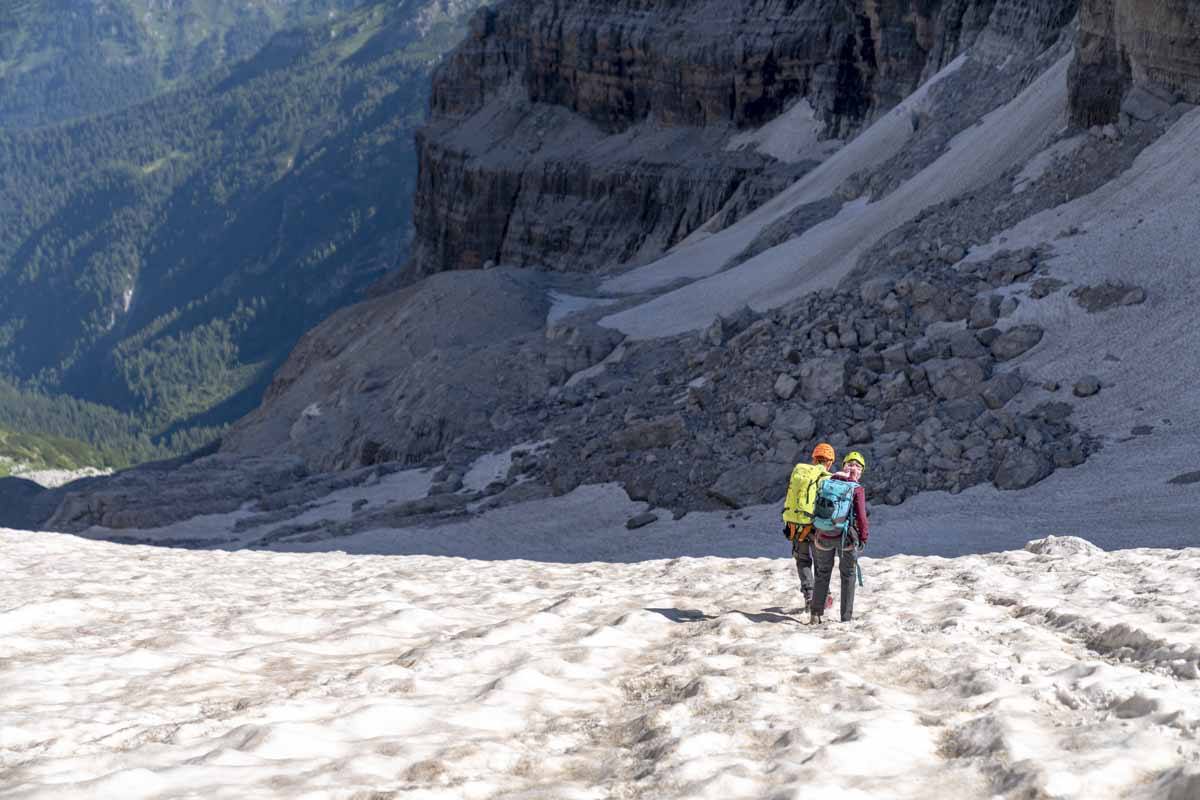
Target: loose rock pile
(730,410)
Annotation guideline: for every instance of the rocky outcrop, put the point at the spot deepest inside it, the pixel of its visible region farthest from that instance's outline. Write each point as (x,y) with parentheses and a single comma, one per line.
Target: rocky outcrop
(1151,45)
(585,135)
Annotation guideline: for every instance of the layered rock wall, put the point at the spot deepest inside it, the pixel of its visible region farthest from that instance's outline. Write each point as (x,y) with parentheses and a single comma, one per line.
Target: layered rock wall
(1151,44)
(586,135)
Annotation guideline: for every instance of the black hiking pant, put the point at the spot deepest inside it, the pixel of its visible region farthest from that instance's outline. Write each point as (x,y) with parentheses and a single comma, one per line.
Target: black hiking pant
(803,553)
(823,560)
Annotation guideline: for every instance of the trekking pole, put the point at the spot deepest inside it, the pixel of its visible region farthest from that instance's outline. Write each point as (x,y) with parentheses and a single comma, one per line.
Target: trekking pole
(858,566)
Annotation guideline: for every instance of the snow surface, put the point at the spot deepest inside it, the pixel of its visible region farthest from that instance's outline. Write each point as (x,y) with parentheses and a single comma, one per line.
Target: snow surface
(53,478)
(563,305)
(142,672)
(823,255)
(791,137)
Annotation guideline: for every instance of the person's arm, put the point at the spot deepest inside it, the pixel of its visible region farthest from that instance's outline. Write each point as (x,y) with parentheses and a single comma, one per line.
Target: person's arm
(861,523)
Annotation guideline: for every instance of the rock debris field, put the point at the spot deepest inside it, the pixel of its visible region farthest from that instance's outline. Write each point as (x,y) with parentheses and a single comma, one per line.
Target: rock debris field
(141,672)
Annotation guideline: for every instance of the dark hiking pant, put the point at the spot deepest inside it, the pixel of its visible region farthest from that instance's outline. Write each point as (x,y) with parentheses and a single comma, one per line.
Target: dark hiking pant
(823,561)
(803,553)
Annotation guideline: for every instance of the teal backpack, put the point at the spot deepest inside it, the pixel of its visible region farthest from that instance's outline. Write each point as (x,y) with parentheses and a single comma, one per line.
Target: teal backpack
(834,507)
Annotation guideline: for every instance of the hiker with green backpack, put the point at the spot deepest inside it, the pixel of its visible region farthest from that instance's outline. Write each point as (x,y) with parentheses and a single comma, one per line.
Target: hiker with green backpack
(797,512)
(840,528)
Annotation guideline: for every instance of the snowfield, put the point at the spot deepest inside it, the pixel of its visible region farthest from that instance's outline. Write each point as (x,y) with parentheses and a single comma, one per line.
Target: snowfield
(149,672)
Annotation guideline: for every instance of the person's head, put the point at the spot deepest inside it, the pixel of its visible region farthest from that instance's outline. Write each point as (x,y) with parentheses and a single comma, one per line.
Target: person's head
(823,454)
(854,464)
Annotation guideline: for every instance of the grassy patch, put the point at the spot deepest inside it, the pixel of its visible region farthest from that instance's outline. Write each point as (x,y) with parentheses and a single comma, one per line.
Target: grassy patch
(26,451)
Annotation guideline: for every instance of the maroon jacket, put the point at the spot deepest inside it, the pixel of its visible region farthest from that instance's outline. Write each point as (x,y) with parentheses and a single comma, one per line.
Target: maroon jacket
(859,518)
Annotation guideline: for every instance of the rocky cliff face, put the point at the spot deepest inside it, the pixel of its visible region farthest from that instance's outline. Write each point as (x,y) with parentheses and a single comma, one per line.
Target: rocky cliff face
(1153,45)
(586,135)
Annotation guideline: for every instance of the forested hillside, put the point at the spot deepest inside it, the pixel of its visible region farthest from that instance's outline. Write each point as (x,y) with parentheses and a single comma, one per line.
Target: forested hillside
(61,59)
(160,261)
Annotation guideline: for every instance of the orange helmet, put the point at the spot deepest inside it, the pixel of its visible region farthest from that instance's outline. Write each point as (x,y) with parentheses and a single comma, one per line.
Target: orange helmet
(823,452)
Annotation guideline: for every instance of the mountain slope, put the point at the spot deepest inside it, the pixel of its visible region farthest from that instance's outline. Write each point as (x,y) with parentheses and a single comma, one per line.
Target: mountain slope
(61,59)
(163,259)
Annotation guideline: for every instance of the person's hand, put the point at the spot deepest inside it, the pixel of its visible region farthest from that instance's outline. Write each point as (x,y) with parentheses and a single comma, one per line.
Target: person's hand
(861,546)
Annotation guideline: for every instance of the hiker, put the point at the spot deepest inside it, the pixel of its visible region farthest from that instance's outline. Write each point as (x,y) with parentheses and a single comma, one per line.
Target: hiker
(797,512)
(841,528)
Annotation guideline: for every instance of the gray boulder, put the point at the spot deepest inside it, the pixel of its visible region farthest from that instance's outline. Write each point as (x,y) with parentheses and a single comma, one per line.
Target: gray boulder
(895,388)
(641,520)
(1087,386)
(920,351)
(859,382)
(785,386)
(984,312)
(875,290)
(894,358)
(823,379)
(752,484)
(1016,341)
(786,451)
(757,414)
(1000,389)
(1095,299)
(965,344)
(859,433)
(1022,468)
(797,423)
(953,378)
(661,432)
(1142,104)
(964,409)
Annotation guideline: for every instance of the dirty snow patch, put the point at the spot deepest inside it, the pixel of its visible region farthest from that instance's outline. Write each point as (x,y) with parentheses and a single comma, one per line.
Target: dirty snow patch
(492,467)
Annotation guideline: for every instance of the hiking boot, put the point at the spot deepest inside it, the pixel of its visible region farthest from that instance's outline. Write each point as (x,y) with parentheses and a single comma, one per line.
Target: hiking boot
(814,619)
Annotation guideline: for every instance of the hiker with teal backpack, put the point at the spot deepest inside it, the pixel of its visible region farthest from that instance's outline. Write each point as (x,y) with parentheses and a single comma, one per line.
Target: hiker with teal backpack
(841,529)
(797,512)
